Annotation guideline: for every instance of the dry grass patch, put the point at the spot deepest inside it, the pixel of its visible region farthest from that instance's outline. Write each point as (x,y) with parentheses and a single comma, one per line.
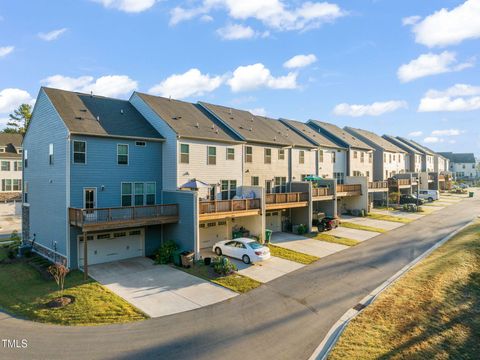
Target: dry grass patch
(433,312)
(333,239)
(398,219)
(351,225)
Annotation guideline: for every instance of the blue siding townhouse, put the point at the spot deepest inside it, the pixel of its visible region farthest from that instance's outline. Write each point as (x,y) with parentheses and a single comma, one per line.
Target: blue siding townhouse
(93,170)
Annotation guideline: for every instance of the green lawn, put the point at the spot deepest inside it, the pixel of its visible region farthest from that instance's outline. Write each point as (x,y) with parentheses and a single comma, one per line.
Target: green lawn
(351,225)
(3,253)
(291,255)
(333,239)
(24,292)
(389,218)
(433,312)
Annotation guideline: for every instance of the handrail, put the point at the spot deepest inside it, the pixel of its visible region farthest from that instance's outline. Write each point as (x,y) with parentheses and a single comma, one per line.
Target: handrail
(216,206)
(349,188)
(322,191)
(378,184)
(281,198)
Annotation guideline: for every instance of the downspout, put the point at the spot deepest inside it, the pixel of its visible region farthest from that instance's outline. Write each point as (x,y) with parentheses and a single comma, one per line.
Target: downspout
(67,195)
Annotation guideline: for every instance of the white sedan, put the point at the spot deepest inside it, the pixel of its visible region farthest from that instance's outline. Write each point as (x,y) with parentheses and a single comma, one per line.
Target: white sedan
(247,250)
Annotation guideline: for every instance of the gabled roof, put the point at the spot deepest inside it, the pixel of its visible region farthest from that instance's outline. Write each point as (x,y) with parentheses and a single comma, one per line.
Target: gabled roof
(417,146)
(11,143)
(340,134)
(94,115)
(459,157)
(188,120)
(401,144)
(258,129)
(373,138)
(310,134)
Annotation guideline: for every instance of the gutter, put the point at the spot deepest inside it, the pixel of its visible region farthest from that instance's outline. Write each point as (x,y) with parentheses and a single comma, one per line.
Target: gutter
(76,133)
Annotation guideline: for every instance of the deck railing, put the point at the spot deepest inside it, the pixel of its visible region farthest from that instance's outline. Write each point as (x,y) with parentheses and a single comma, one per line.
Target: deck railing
(341,188)
(281,198)
(218,206)
(81,217)
(322,191)
(378,184)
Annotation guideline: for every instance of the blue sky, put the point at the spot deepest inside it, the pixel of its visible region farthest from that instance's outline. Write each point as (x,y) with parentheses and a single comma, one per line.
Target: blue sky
(408,68)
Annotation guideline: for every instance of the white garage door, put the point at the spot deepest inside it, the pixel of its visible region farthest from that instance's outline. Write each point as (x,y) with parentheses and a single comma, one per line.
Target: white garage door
(112,246)
(211,232)
(274,221)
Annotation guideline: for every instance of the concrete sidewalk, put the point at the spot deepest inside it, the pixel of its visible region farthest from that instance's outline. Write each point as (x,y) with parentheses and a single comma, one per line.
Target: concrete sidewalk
(306,245)
(381,224)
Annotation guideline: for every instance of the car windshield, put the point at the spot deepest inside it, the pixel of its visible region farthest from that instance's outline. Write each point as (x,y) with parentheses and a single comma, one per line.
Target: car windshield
(254,245)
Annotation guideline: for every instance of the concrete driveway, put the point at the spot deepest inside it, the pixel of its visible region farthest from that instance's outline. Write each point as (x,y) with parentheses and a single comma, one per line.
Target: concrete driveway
(157,290)
(306,245)
(381,224)
(354,234)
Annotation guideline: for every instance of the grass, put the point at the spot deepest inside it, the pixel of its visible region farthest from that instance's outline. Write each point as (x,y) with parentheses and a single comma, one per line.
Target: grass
(236,282)
(433,312)
(351,225)
(3,253)
(333,239)
(24,293)
(389,218)
(291,255)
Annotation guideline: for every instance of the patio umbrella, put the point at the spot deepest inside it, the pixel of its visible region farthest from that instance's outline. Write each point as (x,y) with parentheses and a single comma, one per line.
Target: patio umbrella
(312,178)
(194,184)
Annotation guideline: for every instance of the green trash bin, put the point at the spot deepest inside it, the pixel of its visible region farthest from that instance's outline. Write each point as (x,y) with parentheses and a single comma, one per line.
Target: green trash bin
(470,194)
(177,258)
(268,235)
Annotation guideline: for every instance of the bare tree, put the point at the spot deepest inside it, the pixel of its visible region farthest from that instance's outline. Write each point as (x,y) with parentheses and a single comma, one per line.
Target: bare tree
(59,272)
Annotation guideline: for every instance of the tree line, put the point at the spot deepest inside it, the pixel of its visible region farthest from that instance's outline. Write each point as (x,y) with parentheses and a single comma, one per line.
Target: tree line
(19,120)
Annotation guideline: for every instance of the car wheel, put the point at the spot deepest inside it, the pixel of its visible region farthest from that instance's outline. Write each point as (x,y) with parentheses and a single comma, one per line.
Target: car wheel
(218,251)
(246,259)
(430,199)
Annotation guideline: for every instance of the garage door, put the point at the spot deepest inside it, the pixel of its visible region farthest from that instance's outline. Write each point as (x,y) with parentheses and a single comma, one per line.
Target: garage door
(112,246)
(211,232)
(274,221)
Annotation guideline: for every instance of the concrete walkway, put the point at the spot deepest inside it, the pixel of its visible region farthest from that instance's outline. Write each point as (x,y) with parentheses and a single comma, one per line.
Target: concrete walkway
(306,245)
(401,214)
(354,234)
(381,224)
(157,290)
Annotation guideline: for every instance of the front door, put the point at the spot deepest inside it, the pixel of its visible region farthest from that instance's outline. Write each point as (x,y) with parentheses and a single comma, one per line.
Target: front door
(90,202)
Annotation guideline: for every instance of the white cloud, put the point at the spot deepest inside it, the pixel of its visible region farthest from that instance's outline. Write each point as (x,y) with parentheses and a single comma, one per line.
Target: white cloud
(446,132)
(299,61)
(258,111)
(449,27)
(5,50)
(129,6)
(375,109)
(272,13)
(411,20)
(415,134)
(256,76)
(431,64)
(432,140)
(460,97)
(190,83)
(11,98)
(52,35)
(109,85)
(236,32)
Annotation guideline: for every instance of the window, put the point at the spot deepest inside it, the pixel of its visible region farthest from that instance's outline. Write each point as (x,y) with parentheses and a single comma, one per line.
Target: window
(301,157)
(390,158)
(357,173)
(139,191)
(339,176)
(184,153)
(230,154)
(362,157)
(119,234)
(25,192)
(368,174)
(222,223)
(280,184)
(25,157)
(384,157)
(50,154)
(320,156)
(16,185)
(17,165)
(122,154)
(355,155)
(79,152)
(103,236)
(255,181)
(126,194)
(212,155)
(150,193)
(135,232)
(281,154)
(334,157)
(370,157)
(20,150)
(2,149)
(6,165)
(6,184)
(267,156)
(140,143)
(228,189)
(248,154)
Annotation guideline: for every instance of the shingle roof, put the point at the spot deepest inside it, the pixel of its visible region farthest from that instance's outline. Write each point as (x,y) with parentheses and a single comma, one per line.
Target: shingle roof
(11,142)
(258,129)
(459,157)
(187,119)
(312,135)
(401,144)
(374,138)
(417,146)
(100,116)
(341,134)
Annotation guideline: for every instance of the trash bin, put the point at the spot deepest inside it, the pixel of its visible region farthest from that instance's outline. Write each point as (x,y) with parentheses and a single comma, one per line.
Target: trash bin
(470,194)
(268,236)
(176,257)
(187,259)
(207,261)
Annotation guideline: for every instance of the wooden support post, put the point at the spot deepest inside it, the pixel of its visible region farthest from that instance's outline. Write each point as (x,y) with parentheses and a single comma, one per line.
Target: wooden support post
(85,256)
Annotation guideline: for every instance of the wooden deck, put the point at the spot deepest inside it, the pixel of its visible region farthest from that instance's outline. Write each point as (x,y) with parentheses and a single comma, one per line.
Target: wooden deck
(286,200)
(344,190)
(322,194)
(218,209)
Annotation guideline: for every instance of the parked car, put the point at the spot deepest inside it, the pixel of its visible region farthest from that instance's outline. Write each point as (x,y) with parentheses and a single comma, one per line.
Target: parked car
(327,223)
(410,199)
(429,195)
(247,250)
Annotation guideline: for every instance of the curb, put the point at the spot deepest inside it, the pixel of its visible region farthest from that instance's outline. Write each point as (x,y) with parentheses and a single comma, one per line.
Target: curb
(327,344)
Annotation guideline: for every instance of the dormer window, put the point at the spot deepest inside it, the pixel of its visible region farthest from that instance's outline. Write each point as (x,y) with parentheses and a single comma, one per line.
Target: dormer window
(20,150)
(2,149)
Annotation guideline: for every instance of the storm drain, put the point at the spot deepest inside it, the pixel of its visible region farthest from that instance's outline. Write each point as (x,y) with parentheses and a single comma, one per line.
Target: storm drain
(359,307)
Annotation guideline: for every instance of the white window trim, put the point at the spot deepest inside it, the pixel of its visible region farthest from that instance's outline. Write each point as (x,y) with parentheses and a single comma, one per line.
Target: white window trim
(73,152)
(182,153)
(96,192)
(128,155)
(208,155)
(230,148)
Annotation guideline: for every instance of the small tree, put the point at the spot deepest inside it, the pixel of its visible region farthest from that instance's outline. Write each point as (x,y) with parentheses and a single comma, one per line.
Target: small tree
(19,120)
(59,272)
(394,197)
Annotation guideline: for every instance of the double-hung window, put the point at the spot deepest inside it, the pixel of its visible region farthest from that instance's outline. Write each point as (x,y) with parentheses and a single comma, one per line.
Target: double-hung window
(6,184)
(320,156)
(267,156)
(17,165)
(79,152)
(334,157)
(139,193)
(362,157)
(184,153)
(25,158)
(230,154)
(255,181)
(5,165)
(16,185)
(50,154)
(280,184)
(150,191)
(301,157)
(281,154)
(122,154)
(127,194)
(228,189)
(211,155)
(248,154)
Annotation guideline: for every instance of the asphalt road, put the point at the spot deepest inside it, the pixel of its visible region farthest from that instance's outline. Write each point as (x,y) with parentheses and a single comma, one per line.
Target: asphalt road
(284,319)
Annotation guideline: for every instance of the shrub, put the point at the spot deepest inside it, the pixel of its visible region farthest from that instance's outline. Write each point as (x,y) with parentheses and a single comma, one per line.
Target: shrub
(164,254)
(302,229)
(59,272)
(224,266)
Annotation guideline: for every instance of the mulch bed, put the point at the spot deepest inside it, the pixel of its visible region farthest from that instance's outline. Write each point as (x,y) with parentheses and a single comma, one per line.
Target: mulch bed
(60,302)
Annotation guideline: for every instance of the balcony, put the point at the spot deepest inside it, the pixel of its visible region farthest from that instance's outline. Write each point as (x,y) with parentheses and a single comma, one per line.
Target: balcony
(322,193)
(441,177)
(286,200)
(349,190)
(400,183)
(100,219)
(217,209)
(377,186)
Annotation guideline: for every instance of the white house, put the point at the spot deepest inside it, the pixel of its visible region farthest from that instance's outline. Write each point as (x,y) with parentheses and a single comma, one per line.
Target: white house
(11,166)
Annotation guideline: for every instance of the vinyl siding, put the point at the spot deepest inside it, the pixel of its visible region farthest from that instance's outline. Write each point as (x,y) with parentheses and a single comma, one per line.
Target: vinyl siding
(357,165)
(307,168)
(277,168)
(11,174)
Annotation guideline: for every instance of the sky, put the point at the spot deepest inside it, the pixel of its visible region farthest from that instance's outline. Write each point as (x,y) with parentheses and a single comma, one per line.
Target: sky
(407,68)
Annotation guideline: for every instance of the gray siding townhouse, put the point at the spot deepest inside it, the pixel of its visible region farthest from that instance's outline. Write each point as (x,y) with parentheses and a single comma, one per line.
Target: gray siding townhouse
(414,160)
(11,166)
(93,188)
(461,165)
(427,154)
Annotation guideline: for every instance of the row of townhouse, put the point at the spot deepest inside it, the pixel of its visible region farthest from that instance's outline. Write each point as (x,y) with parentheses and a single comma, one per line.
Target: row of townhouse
(463,166)
(107,179)
(10,166)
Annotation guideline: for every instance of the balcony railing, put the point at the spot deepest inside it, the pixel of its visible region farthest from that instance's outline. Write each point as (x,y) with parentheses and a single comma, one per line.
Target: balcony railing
(378,185)
(323,191)
(123,216)
(283,198)
(220,206)
(441,177)
(349,188)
